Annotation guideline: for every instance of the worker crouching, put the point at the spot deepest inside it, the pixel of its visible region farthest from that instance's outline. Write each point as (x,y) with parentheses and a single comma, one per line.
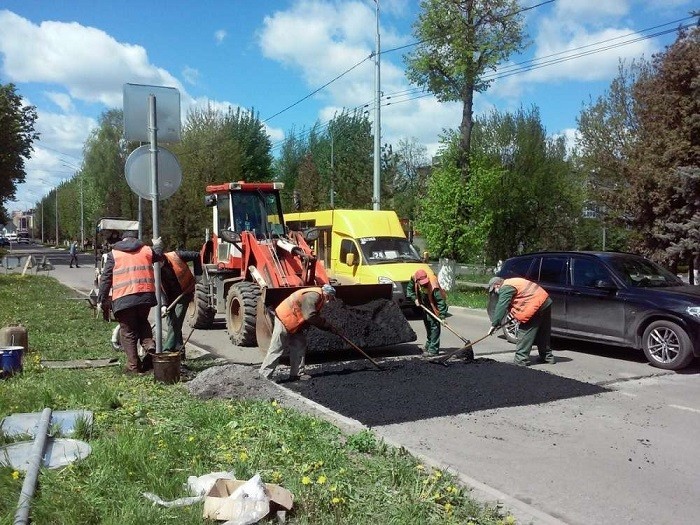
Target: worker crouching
(291,316)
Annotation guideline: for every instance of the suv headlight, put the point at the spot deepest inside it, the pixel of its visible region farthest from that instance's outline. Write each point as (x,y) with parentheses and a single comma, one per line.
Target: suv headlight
(386,280)
(694,311)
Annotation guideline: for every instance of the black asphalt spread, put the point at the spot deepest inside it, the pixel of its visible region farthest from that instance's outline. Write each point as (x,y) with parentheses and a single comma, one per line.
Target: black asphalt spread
(413,389)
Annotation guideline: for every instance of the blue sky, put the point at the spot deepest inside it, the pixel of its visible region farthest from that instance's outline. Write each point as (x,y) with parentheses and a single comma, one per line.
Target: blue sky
(71,60)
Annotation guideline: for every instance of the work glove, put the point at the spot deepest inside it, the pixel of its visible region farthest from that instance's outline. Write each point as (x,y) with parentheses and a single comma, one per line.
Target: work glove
(163,311)
(492,330)
(157,243)
(99,307)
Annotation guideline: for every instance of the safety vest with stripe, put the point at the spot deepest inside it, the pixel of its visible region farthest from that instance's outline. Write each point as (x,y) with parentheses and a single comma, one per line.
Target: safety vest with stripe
(182,272)
(133,272)
(432,286)
(528,298)
(289,310)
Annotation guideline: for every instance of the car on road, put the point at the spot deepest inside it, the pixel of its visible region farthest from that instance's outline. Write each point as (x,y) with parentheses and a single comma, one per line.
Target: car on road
(615,298)
(4,241)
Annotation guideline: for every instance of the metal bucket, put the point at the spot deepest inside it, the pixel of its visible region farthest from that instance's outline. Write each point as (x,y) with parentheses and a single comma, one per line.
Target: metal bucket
(10,360)
(166,367)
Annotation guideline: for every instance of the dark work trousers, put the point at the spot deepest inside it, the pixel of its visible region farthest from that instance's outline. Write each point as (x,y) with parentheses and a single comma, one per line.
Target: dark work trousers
(173,323)
(134,326)
(537,331)
(432,330)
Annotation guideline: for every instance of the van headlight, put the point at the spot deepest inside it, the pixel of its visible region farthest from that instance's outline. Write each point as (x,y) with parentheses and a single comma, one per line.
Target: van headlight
(386,280)
(694,311)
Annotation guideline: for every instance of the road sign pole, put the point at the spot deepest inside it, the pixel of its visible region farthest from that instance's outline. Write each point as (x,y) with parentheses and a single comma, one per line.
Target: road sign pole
(155,197)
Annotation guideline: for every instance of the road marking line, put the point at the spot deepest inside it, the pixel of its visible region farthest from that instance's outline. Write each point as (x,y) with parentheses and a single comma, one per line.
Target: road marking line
(681,407)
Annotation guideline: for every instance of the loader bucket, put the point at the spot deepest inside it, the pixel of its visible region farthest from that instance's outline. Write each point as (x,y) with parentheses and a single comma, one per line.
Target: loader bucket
(365,313)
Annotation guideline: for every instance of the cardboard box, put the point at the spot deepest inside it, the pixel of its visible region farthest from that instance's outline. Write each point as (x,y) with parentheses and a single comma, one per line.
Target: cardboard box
(218,505)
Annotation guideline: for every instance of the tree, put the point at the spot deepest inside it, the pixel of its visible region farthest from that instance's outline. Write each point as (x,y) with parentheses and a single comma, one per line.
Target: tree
(459,42)
(662,200)
(528,189)
(16,138)
(409,181)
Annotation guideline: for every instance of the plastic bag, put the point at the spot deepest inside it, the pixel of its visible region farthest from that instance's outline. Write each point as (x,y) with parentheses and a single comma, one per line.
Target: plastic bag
(251,502)
(198,486)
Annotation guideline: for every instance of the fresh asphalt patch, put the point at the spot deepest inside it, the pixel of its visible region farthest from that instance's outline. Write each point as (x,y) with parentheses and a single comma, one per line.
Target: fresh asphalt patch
(414,389)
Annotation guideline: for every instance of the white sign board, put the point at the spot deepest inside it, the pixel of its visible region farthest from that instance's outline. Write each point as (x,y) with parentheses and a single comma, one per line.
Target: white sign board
(136,112)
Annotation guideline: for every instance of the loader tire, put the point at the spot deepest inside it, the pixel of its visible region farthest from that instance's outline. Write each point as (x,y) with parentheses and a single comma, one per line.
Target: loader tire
(199,313)
(241,303)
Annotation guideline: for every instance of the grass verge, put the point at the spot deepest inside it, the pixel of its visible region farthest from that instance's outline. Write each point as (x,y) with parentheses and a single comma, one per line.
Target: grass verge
(149,437)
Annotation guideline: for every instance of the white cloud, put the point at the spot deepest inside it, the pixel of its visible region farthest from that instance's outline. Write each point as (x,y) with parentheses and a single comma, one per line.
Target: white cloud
(62,100)
(219,36)
(190,74)
(89,63)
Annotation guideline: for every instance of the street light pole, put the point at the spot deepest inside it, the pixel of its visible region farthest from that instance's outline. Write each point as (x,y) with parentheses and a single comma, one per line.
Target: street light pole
(82,230)
(56,216)
(377,118)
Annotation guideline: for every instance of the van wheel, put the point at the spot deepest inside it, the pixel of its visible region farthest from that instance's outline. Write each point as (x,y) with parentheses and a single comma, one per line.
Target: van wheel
(666,345)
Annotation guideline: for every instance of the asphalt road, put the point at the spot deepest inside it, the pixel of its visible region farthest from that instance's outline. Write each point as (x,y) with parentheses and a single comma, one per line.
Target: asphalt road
(626,452)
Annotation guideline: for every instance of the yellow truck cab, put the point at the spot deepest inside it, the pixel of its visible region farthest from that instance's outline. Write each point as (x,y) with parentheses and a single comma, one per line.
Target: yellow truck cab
(362,247)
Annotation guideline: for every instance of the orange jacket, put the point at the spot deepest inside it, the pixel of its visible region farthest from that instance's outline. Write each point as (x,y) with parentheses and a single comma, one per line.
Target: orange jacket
(133,272)
(289,310)
(528,298)
(182,272)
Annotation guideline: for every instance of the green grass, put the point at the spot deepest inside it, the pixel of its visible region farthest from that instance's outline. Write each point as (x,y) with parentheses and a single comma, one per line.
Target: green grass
(468,296)
(149,437)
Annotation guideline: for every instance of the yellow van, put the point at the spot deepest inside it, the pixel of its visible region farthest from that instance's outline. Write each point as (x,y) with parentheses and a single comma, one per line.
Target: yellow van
(362,247)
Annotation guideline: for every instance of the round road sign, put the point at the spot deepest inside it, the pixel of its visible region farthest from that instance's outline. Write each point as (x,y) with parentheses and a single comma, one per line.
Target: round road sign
(138,173)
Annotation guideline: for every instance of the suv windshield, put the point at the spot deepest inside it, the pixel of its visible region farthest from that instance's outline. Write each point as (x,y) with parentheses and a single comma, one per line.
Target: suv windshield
(640,272)
(383,250)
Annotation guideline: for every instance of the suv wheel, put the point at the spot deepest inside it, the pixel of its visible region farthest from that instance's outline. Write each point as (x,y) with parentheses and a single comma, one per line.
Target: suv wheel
(511,330)
(667,346)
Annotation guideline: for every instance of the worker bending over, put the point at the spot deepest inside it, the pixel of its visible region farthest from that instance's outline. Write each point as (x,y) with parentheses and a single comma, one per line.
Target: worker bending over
(178,285)
(530,305)
(291,316)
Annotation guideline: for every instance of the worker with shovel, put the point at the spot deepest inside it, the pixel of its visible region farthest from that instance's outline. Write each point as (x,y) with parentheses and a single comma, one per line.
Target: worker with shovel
(426,292)
(531,305)
(178,285)
(291,316)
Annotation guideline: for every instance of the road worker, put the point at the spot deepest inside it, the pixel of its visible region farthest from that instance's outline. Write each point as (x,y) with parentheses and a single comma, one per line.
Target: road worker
(291,316)
(530,305)
(178,285)
(425,291)
(128,272)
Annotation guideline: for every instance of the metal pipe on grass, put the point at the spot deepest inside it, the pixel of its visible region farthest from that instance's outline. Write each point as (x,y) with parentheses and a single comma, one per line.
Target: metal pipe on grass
(30,479)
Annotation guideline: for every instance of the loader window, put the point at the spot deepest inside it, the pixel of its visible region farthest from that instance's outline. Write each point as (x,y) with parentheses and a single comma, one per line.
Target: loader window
(223,213)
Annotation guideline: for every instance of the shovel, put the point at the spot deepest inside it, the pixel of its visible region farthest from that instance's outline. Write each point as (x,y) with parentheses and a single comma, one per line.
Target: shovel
(336,332)
(467,348)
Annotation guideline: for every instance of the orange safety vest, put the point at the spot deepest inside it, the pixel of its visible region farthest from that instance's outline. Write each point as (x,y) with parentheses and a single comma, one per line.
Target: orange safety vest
(432,286)
(528,298)
(133,272)
(289,310)
(182,272)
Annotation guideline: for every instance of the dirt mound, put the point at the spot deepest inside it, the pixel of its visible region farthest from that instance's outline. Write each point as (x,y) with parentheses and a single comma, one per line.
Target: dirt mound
(231,381)
(374,324)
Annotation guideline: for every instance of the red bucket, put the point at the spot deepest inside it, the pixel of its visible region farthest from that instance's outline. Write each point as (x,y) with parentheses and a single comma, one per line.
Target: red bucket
(10,360)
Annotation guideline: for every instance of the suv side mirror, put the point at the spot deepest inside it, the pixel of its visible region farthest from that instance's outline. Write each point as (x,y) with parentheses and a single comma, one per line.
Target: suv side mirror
(230,236)
(604,284)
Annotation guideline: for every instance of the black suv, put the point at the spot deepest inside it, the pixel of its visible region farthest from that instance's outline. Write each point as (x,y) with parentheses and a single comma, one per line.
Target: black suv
(615,298)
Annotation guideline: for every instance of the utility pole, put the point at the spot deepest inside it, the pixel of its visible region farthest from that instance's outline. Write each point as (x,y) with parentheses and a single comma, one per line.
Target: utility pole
(82,230)
(56,190)
(332,175)
(377,118)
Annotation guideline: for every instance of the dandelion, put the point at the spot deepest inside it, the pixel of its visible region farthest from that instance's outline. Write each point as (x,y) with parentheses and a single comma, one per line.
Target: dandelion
(306,480)
(420,467)
(321,480)
(278,411)
(437,474)
(243,456)
(15,474)
(509,520)
(448,508)
(335,500)
(332,488)
(190,439)
(274,403)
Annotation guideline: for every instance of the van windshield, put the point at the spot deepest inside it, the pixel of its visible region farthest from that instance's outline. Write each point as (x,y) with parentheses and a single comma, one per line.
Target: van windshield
(383,250)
